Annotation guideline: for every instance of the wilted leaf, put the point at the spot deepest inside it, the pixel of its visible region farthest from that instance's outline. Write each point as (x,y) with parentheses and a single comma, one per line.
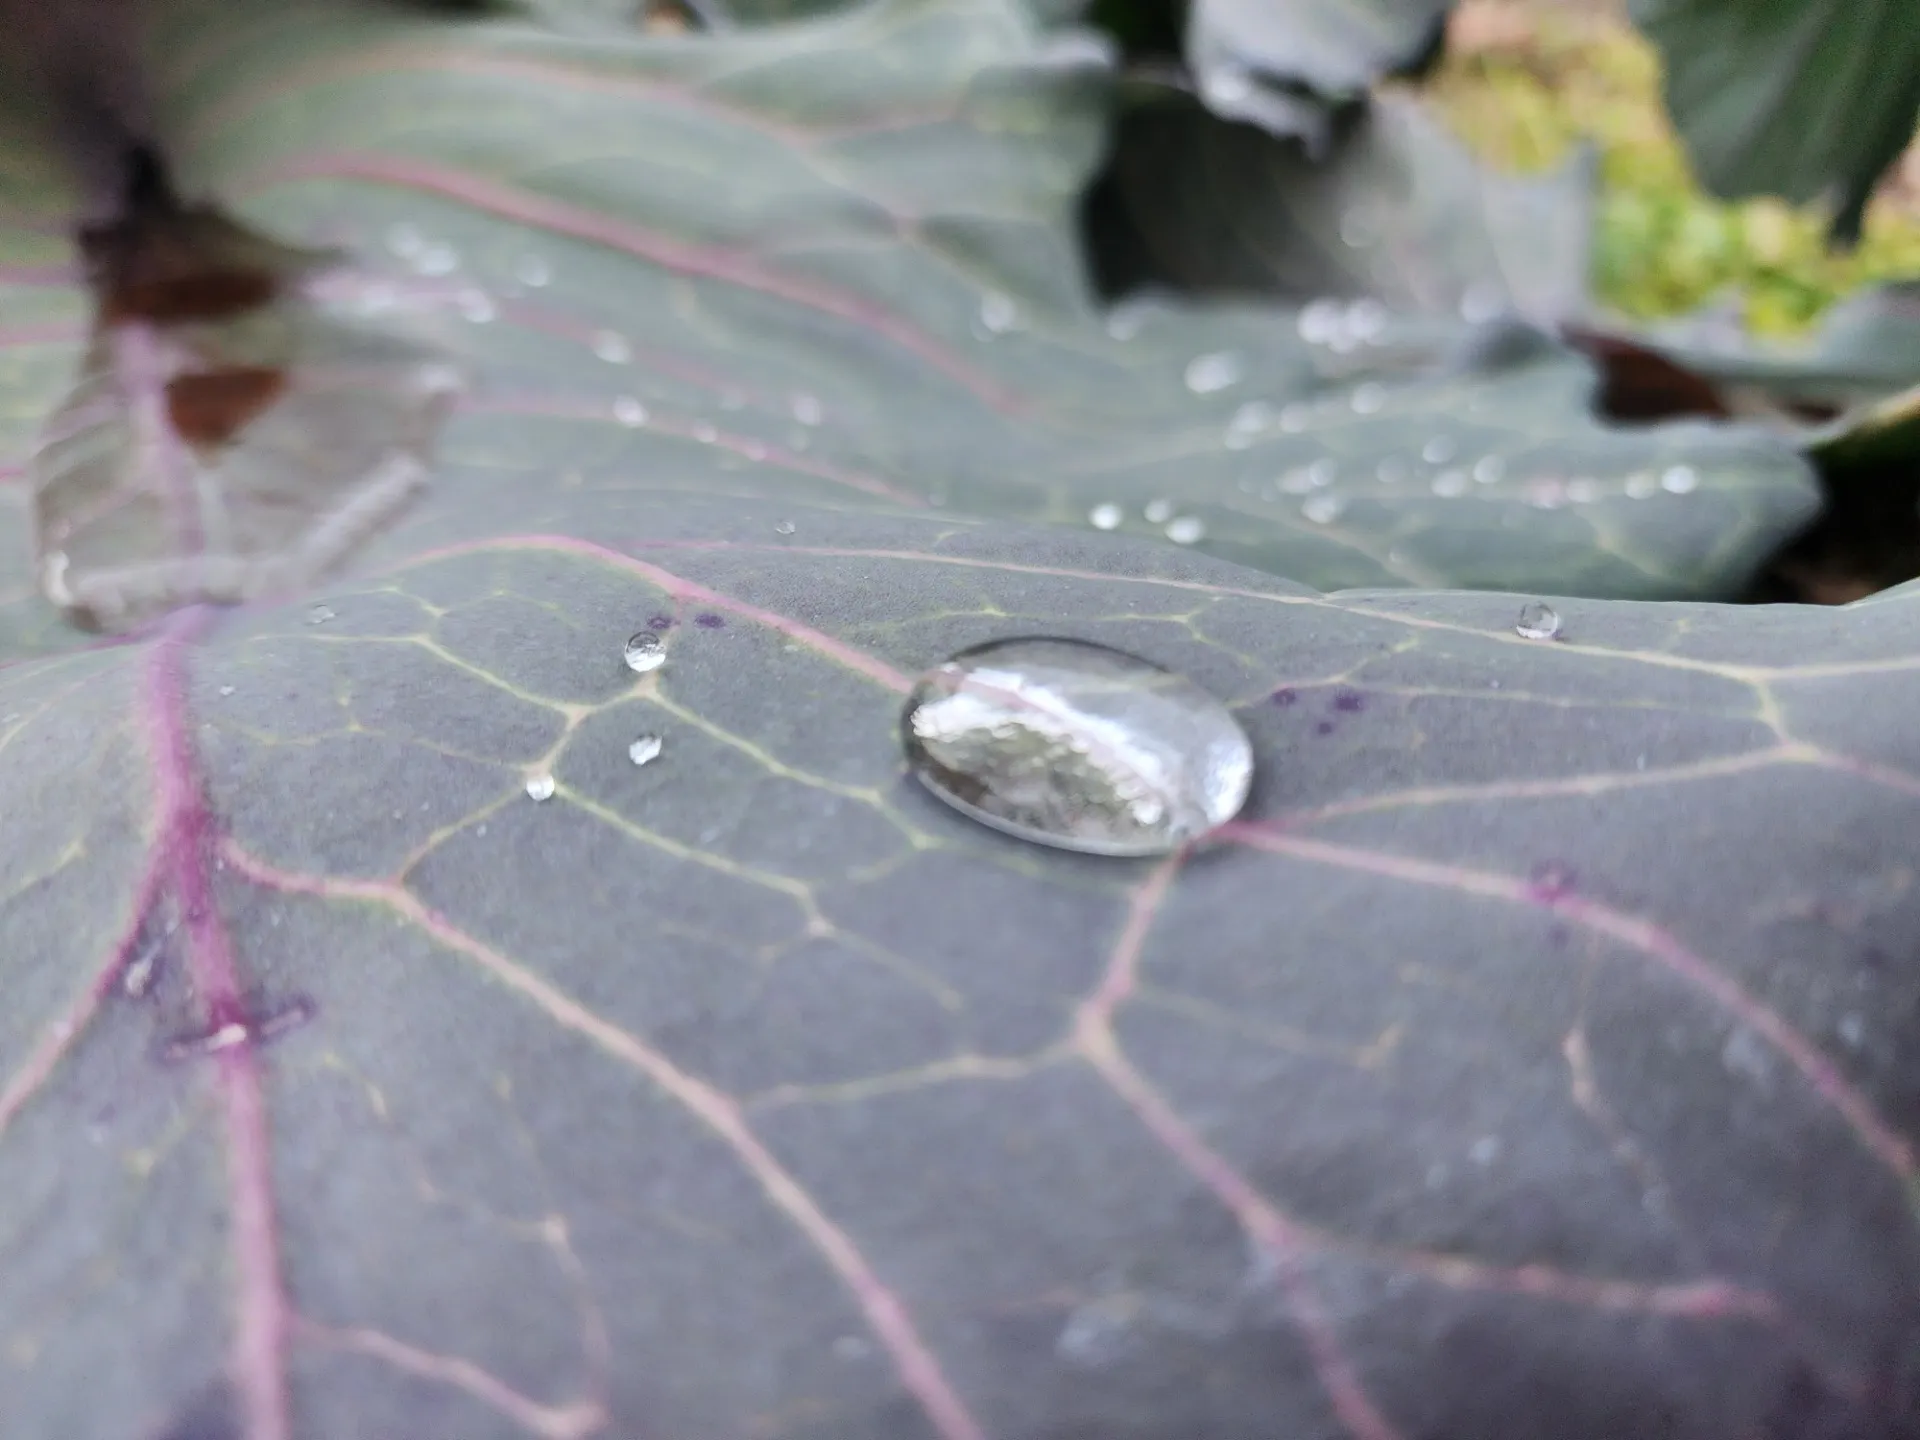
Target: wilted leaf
(1531,1059)
(1809,99)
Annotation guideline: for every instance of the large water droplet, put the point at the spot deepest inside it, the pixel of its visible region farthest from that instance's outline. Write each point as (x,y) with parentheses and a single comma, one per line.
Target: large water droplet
(1186,530)
(540,787)
(1538,621)
(1439,450)
(1072,744)
(646,748)
(785,527)
(644,652)
(1679,479)
(1215,371)
(998,313)
(1106,516)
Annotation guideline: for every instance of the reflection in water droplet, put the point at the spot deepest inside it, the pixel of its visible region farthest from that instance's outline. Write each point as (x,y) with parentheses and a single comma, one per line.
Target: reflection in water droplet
(1072,744)
(785,527)
(1323,509)
(1679,479)
(1158,512)
(1186,530)
(1538,621)
(807,409)
(1439,450)
(629,411)
(437,260)
(644,652)
(1106,516)
(998,313)
(1488,470)
(540,787)
(646,748)
(1218,370)
(532,270)
(612,347)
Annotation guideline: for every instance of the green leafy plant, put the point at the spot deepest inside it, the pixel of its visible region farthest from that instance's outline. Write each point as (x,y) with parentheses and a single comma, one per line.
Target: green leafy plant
(389,1051)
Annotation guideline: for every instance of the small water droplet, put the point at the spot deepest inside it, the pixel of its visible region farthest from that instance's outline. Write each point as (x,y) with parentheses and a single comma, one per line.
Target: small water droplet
(1679,479)
(1489,470)
(1124,321)
(1295,482)
(1439,450)
(226,690)
(998,313)
(646,748)
(319,614)
(705,433)
(1323,509)
(807,409)
(1215,371)
(612,347)
(1538,621)
(477,306)
(1322,472)
(785,527)
(1072,744)
(1367,320)
(437,260)
(406,241)
(1186,530)
(540,787)
(1320,320)
(1369,398)
(1485,1150)
(1450,483)
(644,652)
(1106,516)
(1640,485)
(533,271)
(629,411)
(1295,417)
(1483,303)
(1853,1030)
(1226,86)
(1583,492)
(1157,512)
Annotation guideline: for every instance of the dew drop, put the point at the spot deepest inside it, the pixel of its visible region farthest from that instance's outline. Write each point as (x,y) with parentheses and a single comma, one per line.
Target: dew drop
(1367,320)
(1489,470)
(612,347)
(1322,473)
(437,260)
(998,313)
(644,652)
(1640,485)
(1393,470)
(1124,321)
(319,614)
(1679,479)
(807,409)
(1356,230)
(1583,492)
(1215,371)
(629,412)
(1320,320)
(540,787)
(1072,744)
(1369,398)
(1323,509)
(644,749)
(1538,621)
(1226,87)
(785,527)
(226,690)
(1158,512)
(1439,450)
(705,433)
(533,271)
(477,306)
(1186,530)
(1450,483)
(406,241)
(1106,516)
(1295,417)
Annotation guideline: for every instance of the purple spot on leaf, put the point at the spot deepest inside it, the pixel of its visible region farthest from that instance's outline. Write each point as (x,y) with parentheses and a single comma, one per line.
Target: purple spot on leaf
(1286,695)
(1325,727)
(1551,880)
(709,621)
(1349,702)
(660,622)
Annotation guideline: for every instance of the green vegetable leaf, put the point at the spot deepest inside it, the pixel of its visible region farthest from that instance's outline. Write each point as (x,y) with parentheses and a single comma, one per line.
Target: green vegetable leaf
(1809,99)
(1527,1058)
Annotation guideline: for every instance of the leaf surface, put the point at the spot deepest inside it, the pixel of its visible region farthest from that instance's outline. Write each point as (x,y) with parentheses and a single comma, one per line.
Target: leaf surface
(1531,1057)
